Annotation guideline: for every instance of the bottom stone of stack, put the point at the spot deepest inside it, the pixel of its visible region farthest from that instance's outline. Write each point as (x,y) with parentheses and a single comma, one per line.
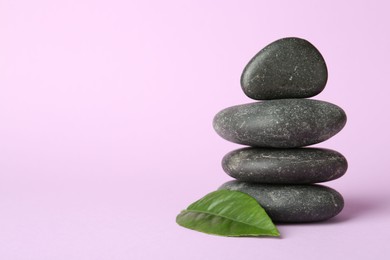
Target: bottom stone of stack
(292,203)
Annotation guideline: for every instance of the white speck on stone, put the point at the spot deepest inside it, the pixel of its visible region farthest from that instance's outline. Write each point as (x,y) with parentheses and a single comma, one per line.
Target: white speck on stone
(334,201)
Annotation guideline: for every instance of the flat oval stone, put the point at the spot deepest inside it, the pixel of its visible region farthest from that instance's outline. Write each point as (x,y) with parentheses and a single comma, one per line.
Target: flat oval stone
(293,203)
(286,68)
(281,123)
(285,166)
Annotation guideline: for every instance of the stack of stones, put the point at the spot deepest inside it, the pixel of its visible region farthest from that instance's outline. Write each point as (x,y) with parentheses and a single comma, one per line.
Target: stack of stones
(276,170)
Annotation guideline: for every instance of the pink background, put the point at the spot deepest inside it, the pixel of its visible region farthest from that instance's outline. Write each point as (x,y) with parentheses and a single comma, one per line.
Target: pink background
(105,124)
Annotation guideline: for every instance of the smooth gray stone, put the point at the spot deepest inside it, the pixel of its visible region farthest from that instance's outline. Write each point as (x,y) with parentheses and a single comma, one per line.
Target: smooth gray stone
(292,203)
(286,68)
(280,123)
(284,166)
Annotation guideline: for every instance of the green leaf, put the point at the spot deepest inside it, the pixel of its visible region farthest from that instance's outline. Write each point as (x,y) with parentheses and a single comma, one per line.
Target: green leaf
(227,213)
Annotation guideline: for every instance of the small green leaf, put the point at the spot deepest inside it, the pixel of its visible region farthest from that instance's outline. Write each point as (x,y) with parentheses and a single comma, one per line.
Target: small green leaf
(227,213)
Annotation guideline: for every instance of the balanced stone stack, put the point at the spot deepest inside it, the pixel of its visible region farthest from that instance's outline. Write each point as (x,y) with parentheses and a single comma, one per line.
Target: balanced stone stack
(276,170)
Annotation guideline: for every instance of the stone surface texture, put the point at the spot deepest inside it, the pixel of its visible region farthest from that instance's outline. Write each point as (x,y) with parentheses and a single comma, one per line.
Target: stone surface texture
(282,123)
(288,166)
(286,68)
(293,203)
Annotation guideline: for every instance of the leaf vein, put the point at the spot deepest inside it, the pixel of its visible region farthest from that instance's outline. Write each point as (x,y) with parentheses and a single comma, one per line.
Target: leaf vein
(222,216)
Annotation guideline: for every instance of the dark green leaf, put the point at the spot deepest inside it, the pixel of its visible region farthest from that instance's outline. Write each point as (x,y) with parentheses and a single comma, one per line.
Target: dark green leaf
(227,213)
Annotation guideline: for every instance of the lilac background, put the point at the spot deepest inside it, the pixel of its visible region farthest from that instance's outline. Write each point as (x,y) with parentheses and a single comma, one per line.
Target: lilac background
(106,110)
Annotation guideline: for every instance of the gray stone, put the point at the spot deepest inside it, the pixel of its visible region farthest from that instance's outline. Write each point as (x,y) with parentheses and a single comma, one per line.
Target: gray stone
(286,68)
(280,123)
(293,203)
(288,166)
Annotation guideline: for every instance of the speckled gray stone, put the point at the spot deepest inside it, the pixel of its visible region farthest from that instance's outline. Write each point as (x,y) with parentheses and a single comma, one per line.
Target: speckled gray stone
(293,203)
(286,68)
(281,123)
(288,166)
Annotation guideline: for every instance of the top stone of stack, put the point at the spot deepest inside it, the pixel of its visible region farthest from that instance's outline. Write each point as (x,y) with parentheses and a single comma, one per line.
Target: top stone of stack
(287,68)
